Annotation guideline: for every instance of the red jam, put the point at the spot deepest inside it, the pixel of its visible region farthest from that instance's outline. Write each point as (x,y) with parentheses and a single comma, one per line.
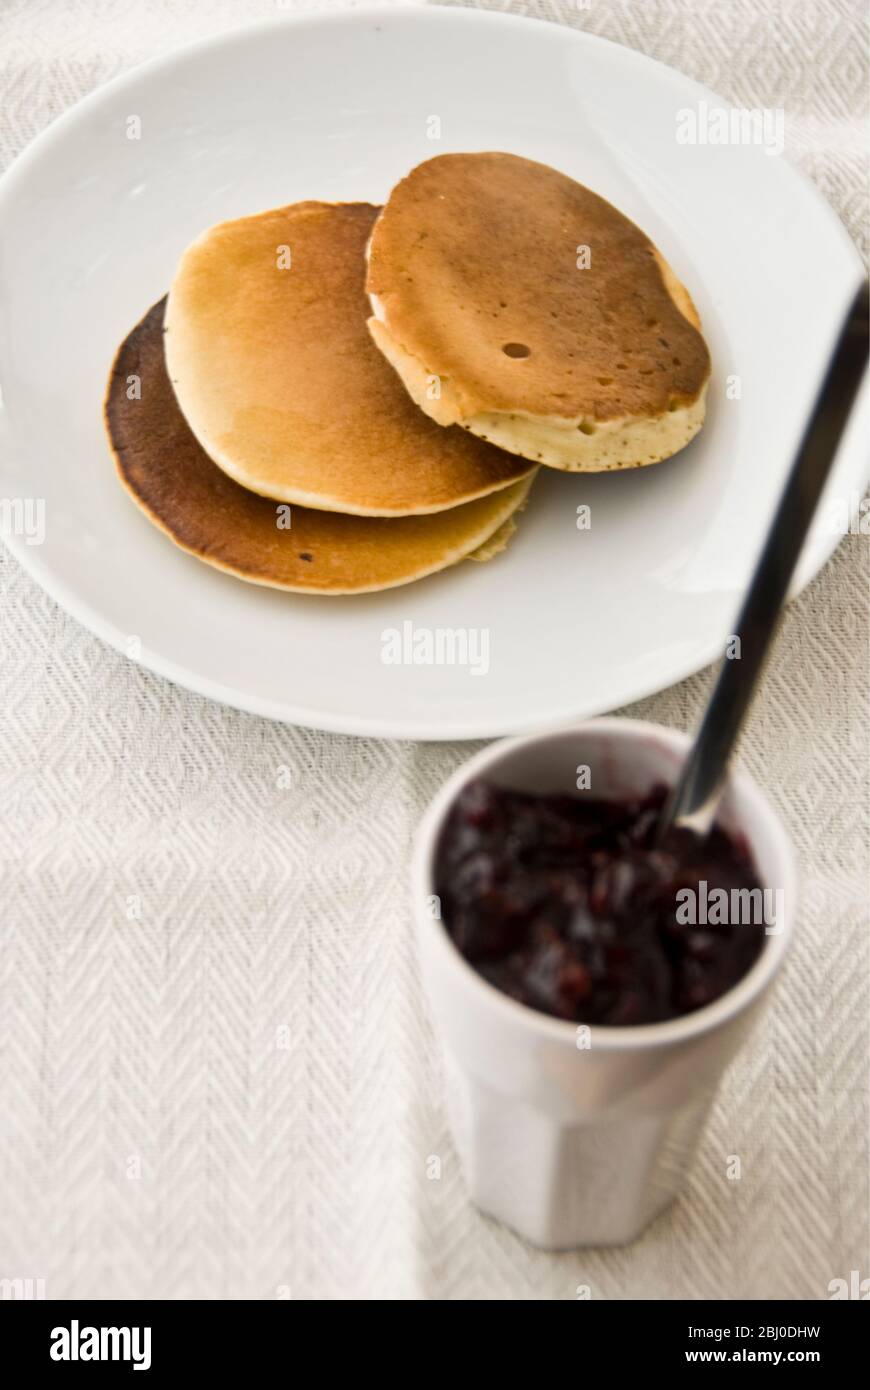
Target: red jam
(565,904)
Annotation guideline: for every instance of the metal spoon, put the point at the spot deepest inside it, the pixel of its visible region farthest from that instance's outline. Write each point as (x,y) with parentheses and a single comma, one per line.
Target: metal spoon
(692,803)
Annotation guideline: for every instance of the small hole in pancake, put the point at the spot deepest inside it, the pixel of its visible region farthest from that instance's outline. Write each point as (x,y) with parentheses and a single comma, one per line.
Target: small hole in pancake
(673,404)
(304,555)
(516,350)
(652,323)
(605,381)
(585,427)
(664,342)
(621,366)
(501,304)
(676,361)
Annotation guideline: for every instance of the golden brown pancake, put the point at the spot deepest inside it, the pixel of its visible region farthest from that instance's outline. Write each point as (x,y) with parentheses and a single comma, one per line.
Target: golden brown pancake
(478,279)
(179,488)
(280,382)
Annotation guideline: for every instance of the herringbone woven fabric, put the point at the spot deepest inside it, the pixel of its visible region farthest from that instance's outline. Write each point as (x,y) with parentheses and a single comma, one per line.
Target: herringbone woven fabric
(217,1078)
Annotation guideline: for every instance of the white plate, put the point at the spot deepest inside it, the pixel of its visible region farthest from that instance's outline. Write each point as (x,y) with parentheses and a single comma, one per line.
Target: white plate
(338,107)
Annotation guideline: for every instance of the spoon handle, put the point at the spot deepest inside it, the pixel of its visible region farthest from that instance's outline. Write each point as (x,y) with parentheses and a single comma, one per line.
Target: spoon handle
(693,801)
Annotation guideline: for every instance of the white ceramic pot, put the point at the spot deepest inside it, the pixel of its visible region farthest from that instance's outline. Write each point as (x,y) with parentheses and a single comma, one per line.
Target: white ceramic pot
(581,1138)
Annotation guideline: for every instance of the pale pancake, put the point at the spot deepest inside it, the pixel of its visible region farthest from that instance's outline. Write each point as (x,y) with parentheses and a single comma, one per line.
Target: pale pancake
(477,279)
(179,488)
(279,380)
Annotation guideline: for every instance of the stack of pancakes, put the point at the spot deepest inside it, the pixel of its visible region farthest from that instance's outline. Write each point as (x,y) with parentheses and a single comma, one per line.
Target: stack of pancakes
(281,423)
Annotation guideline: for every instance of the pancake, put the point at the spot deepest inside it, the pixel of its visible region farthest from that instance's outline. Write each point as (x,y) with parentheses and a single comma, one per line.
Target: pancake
(280,382)
(474,280)
(205,513)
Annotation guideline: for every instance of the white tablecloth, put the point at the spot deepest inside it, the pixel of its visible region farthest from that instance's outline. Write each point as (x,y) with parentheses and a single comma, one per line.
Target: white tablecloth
(217,1076)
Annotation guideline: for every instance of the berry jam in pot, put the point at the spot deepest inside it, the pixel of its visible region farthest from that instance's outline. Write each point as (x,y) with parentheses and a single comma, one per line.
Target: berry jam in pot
(565,904)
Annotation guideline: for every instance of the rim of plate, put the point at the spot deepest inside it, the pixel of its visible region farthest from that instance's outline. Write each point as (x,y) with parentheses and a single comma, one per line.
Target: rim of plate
(814,556)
